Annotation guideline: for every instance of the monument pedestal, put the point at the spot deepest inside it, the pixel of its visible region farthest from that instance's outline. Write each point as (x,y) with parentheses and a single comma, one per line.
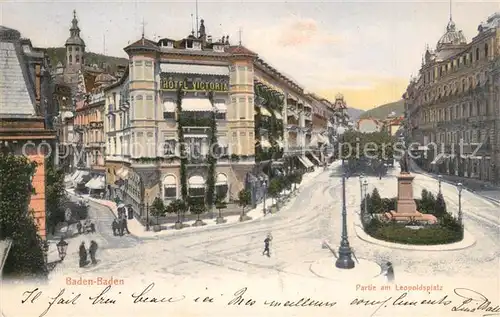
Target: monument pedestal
(406,206)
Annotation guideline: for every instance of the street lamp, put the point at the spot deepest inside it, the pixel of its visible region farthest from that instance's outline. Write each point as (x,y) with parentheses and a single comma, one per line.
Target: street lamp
(361,191)
(264,184)
(344,260)
(147,212)
(440,177)
(62,246)
(45,247)
(460,187)
(365,185)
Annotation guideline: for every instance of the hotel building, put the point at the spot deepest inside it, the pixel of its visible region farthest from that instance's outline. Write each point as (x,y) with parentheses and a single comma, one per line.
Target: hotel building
(456,99)
(260,115)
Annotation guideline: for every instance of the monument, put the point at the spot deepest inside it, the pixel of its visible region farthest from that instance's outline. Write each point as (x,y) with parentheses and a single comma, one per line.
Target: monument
(406,208)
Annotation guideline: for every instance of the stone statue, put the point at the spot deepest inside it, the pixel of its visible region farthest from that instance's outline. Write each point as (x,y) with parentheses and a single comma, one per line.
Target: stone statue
(404,163)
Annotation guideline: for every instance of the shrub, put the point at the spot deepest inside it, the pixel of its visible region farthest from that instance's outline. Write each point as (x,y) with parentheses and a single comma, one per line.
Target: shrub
(398,233)
(375,206)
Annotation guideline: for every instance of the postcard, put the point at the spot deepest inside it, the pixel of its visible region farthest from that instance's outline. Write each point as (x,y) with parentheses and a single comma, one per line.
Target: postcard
(254,158)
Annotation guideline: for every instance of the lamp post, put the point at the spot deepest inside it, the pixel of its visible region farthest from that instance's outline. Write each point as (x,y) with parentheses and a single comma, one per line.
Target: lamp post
(45,247)
(365,185)
(440,177)
(62,246)
(264,184)
(147,212)
(344,260)
(361,191)
(460,187)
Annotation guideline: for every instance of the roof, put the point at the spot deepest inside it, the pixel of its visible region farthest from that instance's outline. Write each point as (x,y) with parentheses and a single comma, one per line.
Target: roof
(451,37)
(240,50)
(89,80)
(142,43)
(119,81)
(15,95)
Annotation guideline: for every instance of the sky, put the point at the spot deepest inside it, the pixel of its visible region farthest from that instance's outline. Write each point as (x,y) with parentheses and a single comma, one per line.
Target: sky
(366,50)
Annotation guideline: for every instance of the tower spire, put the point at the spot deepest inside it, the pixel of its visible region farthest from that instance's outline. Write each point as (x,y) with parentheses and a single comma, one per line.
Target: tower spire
(143,27)
(239,35)
(450,11)
(197,27)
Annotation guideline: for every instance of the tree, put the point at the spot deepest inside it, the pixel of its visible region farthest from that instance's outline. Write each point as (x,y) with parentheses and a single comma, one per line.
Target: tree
(197,207)
(274,188)
(180,133)
(439,206)
(16,220)
(375,202)
(180,207)
(55,195)
(244,199)
(220,203)
(158,209)
(212,159)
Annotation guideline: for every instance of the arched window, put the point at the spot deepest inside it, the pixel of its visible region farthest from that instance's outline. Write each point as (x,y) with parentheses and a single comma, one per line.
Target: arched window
(169,187)
(477,54)
(486,50)
(196,184)
(70,59)
(77,59)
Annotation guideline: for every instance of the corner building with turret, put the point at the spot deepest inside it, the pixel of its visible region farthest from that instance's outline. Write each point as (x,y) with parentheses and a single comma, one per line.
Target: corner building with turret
(261,116)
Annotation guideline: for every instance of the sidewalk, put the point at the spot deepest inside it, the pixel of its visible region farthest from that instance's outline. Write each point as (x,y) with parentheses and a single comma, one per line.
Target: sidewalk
(138,230)
(481,188)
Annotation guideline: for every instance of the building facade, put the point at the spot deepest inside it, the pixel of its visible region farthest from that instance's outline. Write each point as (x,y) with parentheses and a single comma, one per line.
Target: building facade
(455,100)
(171,91)
(25,111)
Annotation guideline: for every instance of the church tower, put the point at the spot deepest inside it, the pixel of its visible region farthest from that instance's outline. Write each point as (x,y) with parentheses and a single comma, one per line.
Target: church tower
(75,47)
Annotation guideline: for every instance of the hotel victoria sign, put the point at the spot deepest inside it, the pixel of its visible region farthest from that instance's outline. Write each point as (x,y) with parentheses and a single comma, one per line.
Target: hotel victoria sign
(171,83)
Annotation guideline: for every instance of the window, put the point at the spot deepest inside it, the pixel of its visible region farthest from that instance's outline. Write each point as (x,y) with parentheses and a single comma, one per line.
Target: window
(477,54)
(70,60)
(132,107)
(131,69)
(220,116)
(139,107)
(121,121)
(168,115)
(486,50)
(138,70)
(233,75)
(149,105)
(169,147)
(121,146)
(77,59)
(148,70)
(241,109)
(242,75)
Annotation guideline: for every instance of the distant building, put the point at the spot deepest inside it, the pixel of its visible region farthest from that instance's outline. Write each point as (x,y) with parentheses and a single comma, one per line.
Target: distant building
(369,125)
(26,110)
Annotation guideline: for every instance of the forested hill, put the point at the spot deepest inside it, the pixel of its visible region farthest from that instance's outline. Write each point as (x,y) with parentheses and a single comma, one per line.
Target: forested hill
(58,54)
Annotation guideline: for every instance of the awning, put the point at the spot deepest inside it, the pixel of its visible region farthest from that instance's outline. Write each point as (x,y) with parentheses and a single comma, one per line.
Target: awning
(119,172)
(307,161)
(169,181)
(81,176)
(75,175)
(196,104)
(315,158)
(264,112)
(124,173)
(196,182)
(301,159)
(221,107)
(195,136)
(265,144)
(169,106)
(221,180)
(194,69)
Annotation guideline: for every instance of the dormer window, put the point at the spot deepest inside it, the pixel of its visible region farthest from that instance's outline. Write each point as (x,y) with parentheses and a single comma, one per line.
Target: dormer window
(218,48)
(26,48)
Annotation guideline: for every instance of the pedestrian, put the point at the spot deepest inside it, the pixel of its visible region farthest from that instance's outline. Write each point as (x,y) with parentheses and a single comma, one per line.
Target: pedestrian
(114,226)
(92,251)
(92,227)
(267,241)
(125,225)
(83,254)
(120,227)
(389,273)
(79,227)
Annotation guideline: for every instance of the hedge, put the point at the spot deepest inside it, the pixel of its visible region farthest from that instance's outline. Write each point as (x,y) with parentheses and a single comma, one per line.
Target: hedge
(428,235)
